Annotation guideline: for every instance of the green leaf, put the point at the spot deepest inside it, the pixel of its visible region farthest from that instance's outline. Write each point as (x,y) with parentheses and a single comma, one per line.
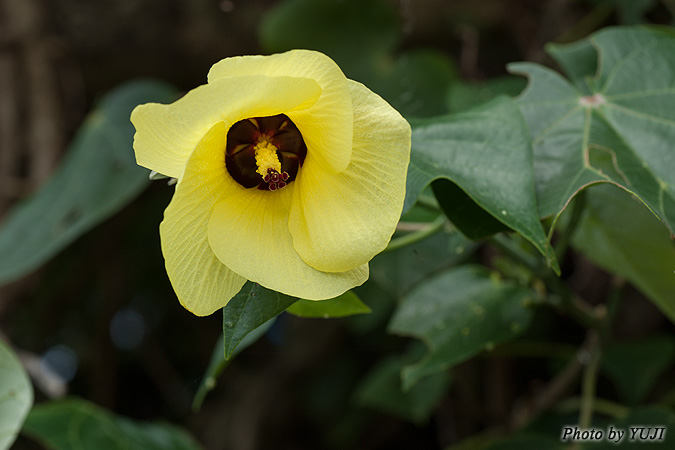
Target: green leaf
(579,60)
(16,396)
(381,389)
(397,271)
(463,95)
(78,424)
(648,416)
(617,126)
(345,305)
(635,365)
(486,154)
(414,82)
(97,177)
(458,313)
(249,309)
(621,236)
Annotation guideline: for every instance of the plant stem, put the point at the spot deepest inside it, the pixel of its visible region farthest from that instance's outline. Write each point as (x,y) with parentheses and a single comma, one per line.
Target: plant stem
(569,303)
(601,406)
(591,359)
(418,235)
(515,252)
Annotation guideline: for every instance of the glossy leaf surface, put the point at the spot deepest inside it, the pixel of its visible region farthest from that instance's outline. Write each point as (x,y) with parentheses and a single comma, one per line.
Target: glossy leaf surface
(458,313)
(486,154)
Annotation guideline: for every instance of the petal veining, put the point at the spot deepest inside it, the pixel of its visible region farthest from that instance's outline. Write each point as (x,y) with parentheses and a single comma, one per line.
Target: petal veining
(202,283)
(340,221)
(249,234)
(166,135)
(326,126)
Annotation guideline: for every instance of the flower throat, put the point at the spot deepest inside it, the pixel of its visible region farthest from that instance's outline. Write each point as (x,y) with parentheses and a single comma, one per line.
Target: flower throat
(264,152)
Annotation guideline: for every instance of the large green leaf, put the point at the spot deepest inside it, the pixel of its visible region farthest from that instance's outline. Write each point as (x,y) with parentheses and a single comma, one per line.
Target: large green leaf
(458,313)
(344,305)
(620,235)
(414,82)
(97,177)
(249,309)
(616,126)
(463,95)
(16,396)
(78,424)
(486,155)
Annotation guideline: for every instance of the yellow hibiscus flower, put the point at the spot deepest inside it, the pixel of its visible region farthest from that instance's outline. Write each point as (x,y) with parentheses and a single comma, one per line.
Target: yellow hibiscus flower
(289,175)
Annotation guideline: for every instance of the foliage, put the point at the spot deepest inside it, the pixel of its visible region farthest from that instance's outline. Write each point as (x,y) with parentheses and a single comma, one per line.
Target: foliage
(536,238)
(97,178)
(16,396)
(75,423)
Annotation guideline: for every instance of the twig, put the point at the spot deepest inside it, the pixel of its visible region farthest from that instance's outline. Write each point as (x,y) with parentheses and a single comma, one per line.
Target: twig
(416,236)
(549,395)
(601,406)
(591,360)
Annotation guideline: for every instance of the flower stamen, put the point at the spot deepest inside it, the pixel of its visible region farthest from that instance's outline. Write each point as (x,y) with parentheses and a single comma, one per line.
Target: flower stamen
(266,156)
(264,152)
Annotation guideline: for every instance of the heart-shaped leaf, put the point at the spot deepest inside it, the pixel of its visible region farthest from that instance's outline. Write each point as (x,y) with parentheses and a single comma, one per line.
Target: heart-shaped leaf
(486,154)
(616,125)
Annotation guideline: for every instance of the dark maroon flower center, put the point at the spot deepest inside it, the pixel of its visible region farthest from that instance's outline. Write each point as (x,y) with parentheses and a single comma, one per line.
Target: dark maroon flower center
(264,152)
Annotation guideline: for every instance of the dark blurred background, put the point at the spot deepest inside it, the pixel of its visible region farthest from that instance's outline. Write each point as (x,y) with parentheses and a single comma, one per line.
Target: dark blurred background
(102,314)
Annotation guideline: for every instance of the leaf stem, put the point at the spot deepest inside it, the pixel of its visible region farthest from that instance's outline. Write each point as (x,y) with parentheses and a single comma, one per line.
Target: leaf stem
(568,302)
(601,406)
(416,236)
(597,339)
(515,252)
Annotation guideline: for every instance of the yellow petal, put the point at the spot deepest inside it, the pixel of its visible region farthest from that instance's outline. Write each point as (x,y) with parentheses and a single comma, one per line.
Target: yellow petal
(249,233)
(340,221)
(202,283)
(326,126)
(166,135)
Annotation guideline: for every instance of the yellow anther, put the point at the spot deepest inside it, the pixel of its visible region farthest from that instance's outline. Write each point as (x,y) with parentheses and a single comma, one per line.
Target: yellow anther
(266,156)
